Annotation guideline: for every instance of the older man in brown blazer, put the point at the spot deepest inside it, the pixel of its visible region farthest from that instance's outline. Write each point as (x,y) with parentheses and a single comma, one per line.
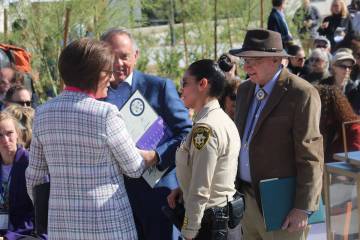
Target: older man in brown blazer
(277,115)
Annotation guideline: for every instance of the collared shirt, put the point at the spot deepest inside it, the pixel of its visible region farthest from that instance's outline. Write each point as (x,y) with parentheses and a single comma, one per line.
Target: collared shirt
(121,93)
(244,167)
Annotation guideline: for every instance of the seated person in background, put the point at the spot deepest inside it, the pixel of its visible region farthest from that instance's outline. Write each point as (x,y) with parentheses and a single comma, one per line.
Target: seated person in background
(324,44)
(354,95)
(335,109)
(336,25)
(341,66)
(228,98)
(25,116)
(297,61)
(15,203)
(16,77)
(4,85)
(318,66)
(306,20)
(18,94)
(354,35)
(9,74)
(355,73)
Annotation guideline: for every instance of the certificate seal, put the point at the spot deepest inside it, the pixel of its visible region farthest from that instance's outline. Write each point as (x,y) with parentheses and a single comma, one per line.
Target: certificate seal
(137,107)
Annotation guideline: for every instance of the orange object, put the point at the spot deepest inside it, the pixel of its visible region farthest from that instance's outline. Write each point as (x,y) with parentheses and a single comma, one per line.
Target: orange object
(18,57)
(347,220)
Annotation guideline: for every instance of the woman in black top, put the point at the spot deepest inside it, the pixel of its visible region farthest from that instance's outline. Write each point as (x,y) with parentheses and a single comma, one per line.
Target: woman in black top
(335,26)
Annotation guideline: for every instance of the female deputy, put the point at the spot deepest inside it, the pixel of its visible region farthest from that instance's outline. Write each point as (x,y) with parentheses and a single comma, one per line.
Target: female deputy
(206,162)
(84,146)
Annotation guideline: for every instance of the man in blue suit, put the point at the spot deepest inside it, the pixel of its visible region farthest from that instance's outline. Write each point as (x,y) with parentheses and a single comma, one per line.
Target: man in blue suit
(277,21)
(161,93)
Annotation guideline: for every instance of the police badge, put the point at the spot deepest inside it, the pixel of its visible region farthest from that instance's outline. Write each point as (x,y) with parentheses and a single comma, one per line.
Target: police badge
(200,136)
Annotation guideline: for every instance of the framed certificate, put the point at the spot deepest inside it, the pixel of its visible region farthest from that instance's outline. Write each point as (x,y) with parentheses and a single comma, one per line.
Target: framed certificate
(147,129)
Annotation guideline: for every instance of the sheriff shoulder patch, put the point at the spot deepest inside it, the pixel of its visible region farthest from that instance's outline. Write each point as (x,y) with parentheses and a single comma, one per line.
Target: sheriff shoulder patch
(200,136)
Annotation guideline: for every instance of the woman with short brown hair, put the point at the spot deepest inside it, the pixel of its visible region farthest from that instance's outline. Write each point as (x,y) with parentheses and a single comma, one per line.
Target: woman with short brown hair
(81,63)
(84,145)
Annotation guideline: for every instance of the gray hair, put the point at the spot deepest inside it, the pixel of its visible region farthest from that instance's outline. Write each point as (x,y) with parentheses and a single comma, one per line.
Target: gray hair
(320,53)
(118,31)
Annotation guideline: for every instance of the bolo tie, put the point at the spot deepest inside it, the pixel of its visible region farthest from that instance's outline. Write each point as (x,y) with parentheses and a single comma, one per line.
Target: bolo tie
(260,95)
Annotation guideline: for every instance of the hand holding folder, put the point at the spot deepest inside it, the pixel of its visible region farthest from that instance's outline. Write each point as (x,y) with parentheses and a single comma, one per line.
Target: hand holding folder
(296,220)
(277,200)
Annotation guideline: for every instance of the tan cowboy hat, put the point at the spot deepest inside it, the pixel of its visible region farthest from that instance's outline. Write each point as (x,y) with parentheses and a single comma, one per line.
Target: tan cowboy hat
(261,43)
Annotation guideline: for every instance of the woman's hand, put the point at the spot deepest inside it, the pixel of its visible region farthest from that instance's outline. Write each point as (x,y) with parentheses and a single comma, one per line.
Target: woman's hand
(174,195)
(325,25)
(150,157)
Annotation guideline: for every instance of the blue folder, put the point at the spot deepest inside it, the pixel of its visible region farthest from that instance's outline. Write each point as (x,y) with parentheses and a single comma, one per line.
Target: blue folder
(277,199)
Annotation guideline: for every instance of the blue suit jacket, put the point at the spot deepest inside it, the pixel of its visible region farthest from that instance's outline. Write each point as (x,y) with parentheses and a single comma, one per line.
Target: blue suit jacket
(163,97)
(277,24)
(161,94)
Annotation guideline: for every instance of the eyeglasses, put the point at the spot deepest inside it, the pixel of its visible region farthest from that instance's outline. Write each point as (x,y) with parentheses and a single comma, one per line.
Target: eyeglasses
(321,45)
(109,72)
(23,103)
(343,66)
(300,59)
(251,61)
(314,60)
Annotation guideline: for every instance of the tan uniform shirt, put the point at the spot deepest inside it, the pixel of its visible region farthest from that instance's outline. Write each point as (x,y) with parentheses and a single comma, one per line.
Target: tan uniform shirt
(206,164)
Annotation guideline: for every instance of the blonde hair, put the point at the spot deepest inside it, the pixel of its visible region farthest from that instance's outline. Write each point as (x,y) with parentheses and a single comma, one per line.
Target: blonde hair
(24,117)
(4,115)
(344,11)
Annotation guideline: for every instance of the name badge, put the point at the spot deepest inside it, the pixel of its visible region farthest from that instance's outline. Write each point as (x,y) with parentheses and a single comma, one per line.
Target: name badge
(4,221)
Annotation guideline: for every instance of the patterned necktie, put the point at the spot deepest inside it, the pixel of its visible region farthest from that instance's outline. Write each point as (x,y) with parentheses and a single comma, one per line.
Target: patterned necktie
(260,95)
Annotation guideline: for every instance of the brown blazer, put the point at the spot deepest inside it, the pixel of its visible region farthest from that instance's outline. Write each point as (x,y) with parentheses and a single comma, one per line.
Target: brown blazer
(286,140)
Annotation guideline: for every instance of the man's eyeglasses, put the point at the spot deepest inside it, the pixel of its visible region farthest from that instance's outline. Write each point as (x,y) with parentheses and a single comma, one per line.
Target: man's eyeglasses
(250,61)
(23,103)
